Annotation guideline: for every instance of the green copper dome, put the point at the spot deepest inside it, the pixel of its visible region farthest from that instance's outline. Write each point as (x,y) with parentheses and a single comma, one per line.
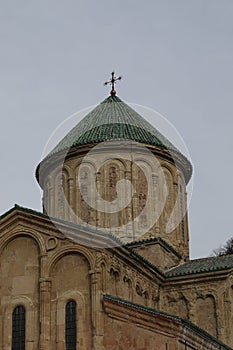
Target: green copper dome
(112,119)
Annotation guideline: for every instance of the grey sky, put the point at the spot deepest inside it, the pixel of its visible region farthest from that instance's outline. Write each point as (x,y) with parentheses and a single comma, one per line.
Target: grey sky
(175,57)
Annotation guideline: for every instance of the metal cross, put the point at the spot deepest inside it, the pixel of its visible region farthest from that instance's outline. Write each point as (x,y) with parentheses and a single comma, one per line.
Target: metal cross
(113,82)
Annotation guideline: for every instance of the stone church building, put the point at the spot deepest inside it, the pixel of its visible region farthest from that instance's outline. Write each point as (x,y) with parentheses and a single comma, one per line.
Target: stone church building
(105,265)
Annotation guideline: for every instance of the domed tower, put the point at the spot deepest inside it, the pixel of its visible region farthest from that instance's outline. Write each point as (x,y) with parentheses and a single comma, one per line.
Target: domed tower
(116,172)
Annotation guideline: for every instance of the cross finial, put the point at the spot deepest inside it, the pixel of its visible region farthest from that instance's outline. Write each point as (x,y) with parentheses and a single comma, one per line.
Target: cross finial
(113,82)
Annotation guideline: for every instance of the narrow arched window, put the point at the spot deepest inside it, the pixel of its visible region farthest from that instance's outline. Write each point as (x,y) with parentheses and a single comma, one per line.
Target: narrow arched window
(18,328)
(71,325)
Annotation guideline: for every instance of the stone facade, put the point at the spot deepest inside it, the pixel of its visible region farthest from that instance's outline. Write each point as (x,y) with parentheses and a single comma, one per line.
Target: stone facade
(123,302)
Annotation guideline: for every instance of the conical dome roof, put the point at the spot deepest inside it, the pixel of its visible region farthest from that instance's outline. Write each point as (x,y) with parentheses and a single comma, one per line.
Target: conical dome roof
(113,119)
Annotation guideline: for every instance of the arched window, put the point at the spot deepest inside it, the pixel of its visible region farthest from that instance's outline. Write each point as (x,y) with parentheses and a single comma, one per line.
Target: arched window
(18,328)
(71,325)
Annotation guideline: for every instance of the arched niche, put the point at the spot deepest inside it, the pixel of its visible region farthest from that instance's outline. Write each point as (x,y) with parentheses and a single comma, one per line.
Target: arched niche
(114,285)
(128,286)
(168,196)
(19,267)
(48,200)
(206,314)
(31,322)
(61,194)
(84,192)
(141,180)
(70,279)
(64,274)
(83,331)
(110,173)
(19,278)
(182,208)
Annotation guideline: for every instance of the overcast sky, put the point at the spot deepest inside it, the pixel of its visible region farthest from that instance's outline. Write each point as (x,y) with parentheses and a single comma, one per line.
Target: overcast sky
(175,57)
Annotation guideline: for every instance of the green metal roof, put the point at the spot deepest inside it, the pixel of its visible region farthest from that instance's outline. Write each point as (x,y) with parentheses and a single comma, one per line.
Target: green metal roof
(113,119)
(203,265)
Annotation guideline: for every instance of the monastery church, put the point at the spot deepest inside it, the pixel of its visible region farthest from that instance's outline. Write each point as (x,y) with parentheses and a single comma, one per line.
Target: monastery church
(105,265)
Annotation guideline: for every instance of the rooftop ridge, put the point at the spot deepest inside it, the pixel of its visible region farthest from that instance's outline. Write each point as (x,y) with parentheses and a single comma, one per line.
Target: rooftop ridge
(70,223)
(132,253)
